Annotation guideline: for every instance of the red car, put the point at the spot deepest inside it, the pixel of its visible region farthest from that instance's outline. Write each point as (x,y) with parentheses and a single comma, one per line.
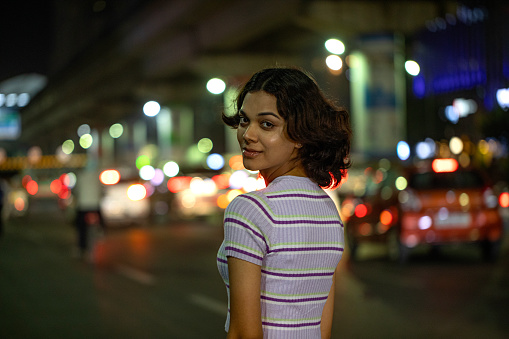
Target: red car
(431,205)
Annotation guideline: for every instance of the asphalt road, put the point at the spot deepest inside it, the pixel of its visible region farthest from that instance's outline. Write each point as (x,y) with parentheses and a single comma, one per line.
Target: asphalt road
(160,281)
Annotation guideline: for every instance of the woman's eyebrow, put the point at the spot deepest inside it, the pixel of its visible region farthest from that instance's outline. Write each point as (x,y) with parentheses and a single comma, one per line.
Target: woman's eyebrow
(262,114)
(269,113)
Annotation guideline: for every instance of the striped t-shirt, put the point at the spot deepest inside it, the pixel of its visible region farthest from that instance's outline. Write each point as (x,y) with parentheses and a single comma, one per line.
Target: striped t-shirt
(293,231)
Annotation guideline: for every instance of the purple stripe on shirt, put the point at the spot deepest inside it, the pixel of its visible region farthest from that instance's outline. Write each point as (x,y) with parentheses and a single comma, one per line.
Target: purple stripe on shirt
(293,300)
(289,222)
(243,252)
(222,260)
(298,275)
(266,323)
(297,195)
(339,249)
(243,224)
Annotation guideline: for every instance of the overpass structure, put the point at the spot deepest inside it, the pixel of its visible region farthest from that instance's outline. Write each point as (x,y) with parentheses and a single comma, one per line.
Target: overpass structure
(167,50)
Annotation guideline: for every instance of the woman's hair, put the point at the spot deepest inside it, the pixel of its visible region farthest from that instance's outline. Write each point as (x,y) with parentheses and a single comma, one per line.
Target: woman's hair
(312,120)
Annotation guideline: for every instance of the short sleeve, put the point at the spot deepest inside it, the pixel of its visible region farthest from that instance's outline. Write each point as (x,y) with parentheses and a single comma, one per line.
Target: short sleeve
(243,229)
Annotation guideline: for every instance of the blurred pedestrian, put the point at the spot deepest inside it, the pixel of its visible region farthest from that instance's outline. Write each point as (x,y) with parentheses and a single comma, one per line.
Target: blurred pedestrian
(282,244)
(88,194)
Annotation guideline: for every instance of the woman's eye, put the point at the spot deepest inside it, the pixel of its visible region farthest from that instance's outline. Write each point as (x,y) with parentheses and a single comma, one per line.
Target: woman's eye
(243,120)
(267,124)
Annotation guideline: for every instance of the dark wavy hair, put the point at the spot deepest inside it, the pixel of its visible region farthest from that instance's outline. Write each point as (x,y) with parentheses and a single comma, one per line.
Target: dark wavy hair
(311,119)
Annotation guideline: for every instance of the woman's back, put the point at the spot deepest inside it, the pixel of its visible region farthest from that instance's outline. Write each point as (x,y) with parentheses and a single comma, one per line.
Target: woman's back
(293,231)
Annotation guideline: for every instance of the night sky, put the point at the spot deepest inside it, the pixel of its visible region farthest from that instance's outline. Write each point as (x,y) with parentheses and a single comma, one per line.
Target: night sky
(24,37)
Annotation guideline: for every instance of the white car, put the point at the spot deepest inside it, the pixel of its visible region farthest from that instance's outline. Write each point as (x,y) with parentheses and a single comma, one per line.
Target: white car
(118,208)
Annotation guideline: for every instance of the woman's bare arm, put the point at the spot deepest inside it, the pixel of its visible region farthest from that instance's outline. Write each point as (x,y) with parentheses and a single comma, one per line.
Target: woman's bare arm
(245,309)
(328,311)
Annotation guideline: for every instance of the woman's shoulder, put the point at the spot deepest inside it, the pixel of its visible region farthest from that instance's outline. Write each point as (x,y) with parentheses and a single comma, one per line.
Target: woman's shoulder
(247,201)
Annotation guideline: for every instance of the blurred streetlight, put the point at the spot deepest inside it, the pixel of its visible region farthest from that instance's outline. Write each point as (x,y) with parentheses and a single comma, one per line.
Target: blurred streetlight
(403,150)
(215,161)
(171,168)
(86,140)
(456,145)
(334,62)
(116,130)
(151,108)
(503,98)
(412,67)
(83,129)
(216,86)
(335,46)
(68,146)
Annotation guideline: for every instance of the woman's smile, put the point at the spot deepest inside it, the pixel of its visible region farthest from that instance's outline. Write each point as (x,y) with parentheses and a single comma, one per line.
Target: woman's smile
(249,153)
(262,137)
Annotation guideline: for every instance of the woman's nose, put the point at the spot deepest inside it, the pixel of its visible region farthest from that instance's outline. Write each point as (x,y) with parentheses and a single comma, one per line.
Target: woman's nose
(250,134)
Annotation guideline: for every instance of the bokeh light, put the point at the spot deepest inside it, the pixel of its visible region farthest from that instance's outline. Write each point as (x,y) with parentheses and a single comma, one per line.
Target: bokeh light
(216,86)
(335,46)
(32,187)
(334,62)
(425,149)
(151,108)
(34,154)
(403,150)
(412,67)
(222,180)
(238,178)
(179,184)
(205,145)
(147,172)
(222,201)
(232,194)
(504,199)
(236,163)
(116,130)
(68,146)
(215,161)
(86,140)
(141,161)
(456,145)
(109,177)
(83,129)
(71,180)
(55,186)
(401,183)
(158,177)
(136,192)
(171,169)
(503,98)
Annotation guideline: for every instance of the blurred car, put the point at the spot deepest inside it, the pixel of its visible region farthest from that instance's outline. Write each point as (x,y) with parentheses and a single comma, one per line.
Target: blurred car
(433,205)
(125,203)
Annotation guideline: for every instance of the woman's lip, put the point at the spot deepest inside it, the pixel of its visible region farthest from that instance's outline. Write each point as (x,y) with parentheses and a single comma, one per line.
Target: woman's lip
(250,153)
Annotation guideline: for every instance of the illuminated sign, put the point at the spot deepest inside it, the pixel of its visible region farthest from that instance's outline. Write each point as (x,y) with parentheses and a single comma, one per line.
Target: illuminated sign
(10,124)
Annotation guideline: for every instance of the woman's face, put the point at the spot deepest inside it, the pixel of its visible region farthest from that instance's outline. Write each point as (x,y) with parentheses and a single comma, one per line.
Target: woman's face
(262,137)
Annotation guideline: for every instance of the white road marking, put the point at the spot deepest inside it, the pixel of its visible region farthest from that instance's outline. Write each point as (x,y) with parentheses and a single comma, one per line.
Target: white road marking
(209,304)
(136,275)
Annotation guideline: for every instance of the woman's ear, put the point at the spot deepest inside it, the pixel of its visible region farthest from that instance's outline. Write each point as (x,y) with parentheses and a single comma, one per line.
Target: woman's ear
(298,145)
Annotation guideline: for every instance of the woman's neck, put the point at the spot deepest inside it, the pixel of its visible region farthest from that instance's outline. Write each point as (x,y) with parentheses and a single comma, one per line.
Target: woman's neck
(296,171)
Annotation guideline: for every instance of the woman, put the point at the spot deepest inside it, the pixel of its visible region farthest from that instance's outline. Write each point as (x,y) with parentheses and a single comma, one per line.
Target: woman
(283,243)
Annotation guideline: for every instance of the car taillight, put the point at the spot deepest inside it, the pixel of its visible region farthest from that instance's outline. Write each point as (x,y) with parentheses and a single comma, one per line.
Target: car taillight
(444,165)
(489,198)
(361,210)
(389,216)
(503,199)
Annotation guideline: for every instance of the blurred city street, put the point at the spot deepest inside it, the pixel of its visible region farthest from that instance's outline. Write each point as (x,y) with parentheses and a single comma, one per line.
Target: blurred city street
(160,281)
(111,114)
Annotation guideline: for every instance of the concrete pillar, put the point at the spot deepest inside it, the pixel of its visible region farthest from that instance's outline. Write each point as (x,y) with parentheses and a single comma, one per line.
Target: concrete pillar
(378,95)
